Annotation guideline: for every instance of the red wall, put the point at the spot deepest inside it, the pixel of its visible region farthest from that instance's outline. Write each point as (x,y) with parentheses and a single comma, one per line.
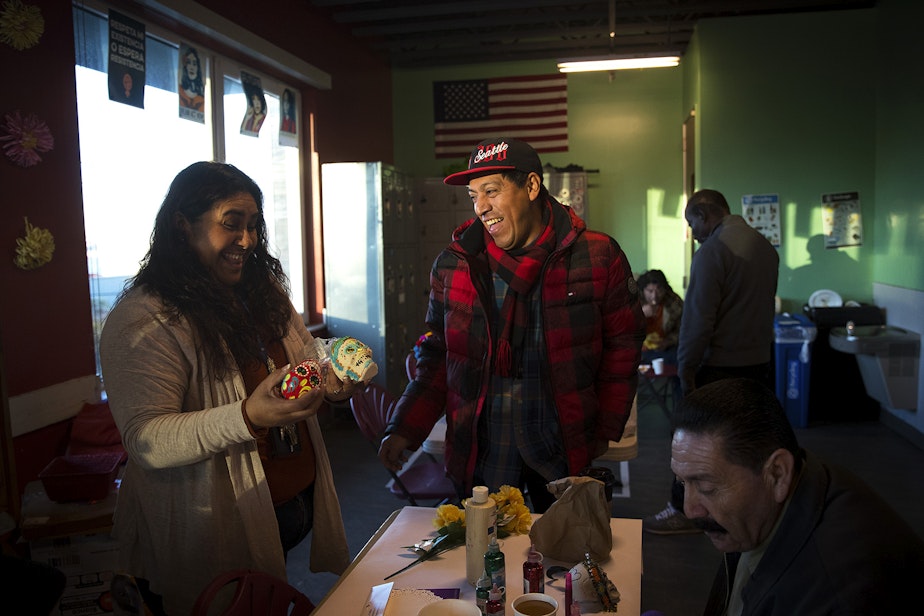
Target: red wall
(45,325)
(45,313)
(46,335)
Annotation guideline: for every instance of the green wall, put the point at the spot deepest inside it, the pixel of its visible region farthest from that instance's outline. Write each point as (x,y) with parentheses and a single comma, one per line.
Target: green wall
(796,105)
(626,126)
(787,105)
(899,238)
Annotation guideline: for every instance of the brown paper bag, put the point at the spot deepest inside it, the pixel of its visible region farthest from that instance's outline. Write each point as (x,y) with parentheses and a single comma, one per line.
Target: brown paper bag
(577,523)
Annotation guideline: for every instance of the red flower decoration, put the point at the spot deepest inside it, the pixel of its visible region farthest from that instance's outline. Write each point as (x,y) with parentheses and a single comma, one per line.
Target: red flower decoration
(24,137)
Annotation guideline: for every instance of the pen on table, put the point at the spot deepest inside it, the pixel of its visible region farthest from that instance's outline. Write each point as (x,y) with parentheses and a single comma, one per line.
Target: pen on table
(568,593)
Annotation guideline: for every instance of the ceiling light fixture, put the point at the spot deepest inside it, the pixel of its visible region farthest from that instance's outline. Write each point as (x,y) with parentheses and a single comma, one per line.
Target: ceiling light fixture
(618,62)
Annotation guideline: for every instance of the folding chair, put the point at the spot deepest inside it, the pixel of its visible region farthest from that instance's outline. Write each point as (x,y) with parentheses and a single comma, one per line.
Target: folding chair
(255,594)
(421,478)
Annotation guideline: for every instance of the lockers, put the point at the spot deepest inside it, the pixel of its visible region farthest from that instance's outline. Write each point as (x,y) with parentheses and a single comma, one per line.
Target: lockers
(371,257)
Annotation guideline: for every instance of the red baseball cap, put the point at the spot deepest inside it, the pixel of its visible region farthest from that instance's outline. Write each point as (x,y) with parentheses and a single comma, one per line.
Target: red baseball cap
(495,155)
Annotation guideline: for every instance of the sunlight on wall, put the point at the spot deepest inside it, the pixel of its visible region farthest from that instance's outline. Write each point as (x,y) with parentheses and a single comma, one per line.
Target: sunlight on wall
(655,198)
(666,238)
(807,265)
(899,249)
(898,225)
(794,254)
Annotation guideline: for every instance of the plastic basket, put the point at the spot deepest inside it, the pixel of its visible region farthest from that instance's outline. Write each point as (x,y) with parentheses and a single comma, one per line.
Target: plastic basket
(80,477)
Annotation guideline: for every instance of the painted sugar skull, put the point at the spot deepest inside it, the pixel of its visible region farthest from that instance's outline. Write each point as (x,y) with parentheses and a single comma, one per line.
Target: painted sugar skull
(351,359)
(301,379)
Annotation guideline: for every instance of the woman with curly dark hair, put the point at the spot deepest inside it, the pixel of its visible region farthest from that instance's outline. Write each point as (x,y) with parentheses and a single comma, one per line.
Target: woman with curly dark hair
(663,310)
(223,472)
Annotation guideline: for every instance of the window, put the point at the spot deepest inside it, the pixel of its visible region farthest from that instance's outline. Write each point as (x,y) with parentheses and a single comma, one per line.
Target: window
(130,155)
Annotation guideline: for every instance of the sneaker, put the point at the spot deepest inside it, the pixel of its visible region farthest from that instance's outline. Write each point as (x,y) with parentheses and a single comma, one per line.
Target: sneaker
(670,521)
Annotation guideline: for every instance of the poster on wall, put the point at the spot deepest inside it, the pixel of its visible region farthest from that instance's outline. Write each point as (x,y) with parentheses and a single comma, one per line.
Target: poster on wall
(288,127)
(126,60)
(762,212)
(190,85)
(842,224)
(256,104)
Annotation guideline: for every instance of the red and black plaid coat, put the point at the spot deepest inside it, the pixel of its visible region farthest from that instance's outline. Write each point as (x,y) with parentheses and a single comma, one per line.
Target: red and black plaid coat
(593,329)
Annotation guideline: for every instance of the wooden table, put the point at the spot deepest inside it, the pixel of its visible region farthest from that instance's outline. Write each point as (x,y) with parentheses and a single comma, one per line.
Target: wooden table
(384,554)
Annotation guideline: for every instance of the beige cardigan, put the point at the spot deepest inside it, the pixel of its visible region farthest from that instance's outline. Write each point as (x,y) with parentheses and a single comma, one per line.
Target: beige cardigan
(194,501)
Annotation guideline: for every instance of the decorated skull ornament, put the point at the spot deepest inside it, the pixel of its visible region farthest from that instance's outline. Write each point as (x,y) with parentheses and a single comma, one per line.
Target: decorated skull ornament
(351,359)
(301,379)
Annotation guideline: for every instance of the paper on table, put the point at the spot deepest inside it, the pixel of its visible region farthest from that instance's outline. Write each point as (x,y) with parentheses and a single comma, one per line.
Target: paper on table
(378,599)
(406,601)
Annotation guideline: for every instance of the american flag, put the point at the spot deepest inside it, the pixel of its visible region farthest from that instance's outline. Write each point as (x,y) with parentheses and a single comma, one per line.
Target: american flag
(534,109)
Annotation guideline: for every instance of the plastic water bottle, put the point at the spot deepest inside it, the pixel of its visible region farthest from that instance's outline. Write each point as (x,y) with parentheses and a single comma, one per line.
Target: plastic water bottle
(480,516)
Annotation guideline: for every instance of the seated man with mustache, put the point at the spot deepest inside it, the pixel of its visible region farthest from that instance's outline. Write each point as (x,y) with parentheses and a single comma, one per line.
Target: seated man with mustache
(800,536)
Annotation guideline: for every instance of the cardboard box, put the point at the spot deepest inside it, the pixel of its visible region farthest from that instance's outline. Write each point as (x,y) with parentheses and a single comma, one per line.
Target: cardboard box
(88,561)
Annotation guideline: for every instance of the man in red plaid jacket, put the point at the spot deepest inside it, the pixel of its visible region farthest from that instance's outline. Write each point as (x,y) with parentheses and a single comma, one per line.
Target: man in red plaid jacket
(537,330)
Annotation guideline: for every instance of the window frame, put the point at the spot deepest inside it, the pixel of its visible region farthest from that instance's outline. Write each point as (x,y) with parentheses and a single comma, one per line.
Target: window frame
(226,49)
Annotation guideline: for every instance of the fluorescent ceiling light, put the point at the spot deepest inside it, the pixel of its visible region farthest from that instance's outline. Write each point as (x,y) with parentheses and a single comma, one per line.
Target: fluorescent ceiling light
(616,63)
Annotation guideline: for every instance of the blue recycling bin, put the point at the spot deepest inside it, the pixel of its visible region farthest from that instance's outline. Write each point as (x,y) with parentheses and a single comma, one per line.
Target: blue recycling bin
(794,334)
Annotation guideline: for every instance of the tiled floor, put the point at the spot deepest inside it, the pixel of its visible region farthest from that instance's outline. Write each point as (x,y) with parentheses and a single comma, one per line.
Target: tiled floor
(677,569)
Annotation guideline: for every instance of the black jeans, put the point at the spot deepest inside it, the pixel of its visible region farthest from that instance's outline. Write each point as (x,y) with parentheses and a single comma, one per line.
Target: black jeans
(295,518)
(539,495)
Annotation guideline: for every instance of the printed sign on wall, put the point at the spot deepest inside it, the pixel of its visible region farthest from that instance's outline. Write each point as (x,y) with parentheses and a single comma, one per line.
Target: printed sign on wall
(763,213)
(126,60)
(841,220)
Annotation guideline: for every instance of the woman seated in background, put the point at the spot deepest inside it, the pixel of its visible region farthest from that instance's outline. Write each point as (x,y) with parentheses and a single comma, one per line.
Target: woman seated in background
(663,309)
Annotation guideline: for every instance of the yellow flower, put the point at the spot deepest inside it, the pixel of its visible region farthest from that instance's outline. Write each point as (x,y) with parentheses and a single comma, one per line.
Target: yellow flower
(521,522)
(35,249)
(447,514)
(21,26)
(508,494)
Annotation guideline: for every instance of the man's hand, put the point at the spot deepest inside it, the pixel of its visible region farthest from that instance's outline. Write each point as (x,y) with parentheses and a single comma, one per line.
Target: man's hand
(392,451)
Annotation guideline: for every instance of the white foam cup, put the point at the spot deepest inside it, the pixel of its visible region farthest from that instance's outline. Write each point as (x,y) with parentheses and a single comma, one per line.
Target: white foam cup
(658,365)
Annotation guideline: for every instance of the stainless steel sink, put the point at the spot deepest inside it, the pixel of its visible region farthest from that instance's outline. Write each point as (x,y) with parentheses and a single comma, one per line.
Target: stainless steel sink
(876,340)
(888,358)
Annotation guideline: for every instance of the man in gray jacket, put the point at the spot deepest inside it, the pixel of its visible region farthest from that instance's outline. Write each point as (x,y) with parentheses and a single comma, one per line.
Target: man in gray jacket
(727,326)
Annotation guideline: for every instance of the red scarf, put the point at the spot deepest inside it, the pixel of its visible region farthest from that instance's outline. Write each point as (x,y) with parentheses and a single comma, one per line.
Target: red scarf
(519,269)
